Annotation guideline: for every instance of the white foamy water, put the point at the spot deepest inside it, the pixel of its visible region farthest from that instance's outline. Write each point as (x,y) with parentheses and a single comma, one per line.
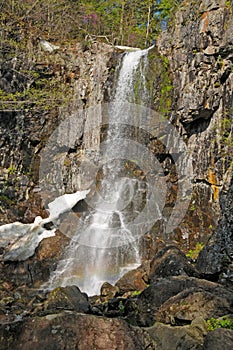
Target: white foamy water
(104,247)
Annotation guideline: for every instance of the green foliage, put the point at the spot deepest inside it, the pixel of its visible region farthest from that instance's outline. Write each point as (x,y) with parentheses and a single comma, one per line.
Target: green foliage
(12,170)
(135,293)
(42,96)
(159,83)
(123,22)
(127,22)
(228,3)
(193,253)
(121,307)
(223,322)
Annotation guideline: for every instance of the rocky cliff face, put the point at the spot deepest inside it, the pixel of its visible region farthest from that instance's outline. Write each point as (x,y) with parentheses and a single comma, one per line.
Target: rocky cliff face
(41,89)
(199,48)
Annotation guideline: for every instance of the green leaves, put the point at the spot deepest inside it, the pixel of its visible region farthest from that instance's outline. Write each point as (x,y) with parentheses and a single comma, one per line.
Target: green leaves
(223,322)
(125,22)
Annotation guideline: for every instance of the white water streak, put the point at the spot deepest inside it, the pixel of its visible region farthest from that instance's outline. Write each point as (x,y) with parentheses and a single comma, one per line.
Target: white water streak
(103,258)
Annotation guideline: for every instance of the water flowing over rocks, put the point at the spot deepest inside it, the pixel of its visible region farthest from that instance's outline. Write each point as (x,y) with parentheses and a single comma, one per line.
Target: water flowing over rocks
(166,302)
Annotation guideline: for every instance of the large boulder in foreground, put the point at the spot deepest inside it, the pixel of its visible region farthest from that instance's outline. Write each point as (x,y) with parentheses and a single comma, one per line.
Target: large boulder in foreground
(190,337)
(219,339)
(73,331)
(166,293)
(170,261)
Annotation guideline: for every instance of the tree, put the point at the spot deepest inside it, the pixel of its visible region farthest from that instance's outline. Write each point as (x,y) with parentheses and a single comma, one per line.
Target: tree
(126,22)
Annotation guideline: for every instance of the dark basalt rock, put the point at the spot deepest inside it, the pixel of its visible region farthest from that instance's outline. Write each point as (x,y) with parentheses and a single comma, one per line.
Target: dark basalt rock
(192,303)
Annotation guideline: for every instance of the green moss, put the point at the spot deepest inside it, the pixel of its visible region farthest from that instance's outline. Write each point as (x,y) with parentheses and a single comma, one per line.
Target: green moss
(217,84)
(192,208)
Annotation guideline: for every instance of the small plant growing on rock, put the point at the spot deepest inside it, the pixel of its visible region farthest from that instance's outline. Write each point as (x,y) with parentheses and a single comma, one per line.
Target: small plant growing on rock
(135,293)
(121,308)
(193,253)
(224,322)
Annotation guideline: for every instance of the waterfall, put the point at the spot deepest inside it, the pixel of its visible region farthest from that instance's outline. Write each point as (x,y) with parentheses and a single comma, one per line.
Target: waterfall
(104,247)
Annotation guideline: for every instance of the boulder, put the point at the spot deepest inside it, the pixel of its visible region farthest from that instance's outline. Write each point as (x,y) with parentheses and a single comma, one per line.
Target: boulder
(170,261)
(108,291)
(69,330)
(143,311)
(219,339)
(185,338)
(192,303)
(68,298)
(134,280)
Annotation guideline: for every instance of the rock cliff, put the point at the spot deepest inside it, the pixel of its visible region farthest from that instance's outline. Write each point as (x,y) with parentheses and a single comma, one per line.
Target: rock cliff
(199,48)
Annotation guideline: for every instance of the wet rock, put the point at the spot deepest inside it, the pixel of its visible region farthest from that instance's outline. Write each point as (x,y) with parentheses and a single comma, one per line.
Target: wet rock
(68,298)
(74,331)
(51,248)
(170,261)
(174,337)
(219,339)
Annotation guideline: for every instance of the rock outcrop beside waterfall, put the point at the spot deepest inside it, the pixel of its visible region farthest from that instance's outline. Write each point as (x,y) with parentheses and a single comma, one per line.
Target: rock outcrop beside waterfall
(79,76)
(199,49)
(200,52)
(165,303)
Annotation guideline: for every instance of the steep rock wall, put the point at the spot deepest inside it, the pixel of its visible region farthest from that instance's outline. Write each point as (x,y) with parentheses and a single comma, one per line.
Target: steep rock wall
(199,47)
(71,79)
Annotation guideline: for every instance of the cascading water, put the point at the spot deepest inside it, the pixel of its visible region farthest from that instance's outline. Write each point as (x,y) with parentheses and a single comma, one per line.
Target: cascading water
(104,248)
